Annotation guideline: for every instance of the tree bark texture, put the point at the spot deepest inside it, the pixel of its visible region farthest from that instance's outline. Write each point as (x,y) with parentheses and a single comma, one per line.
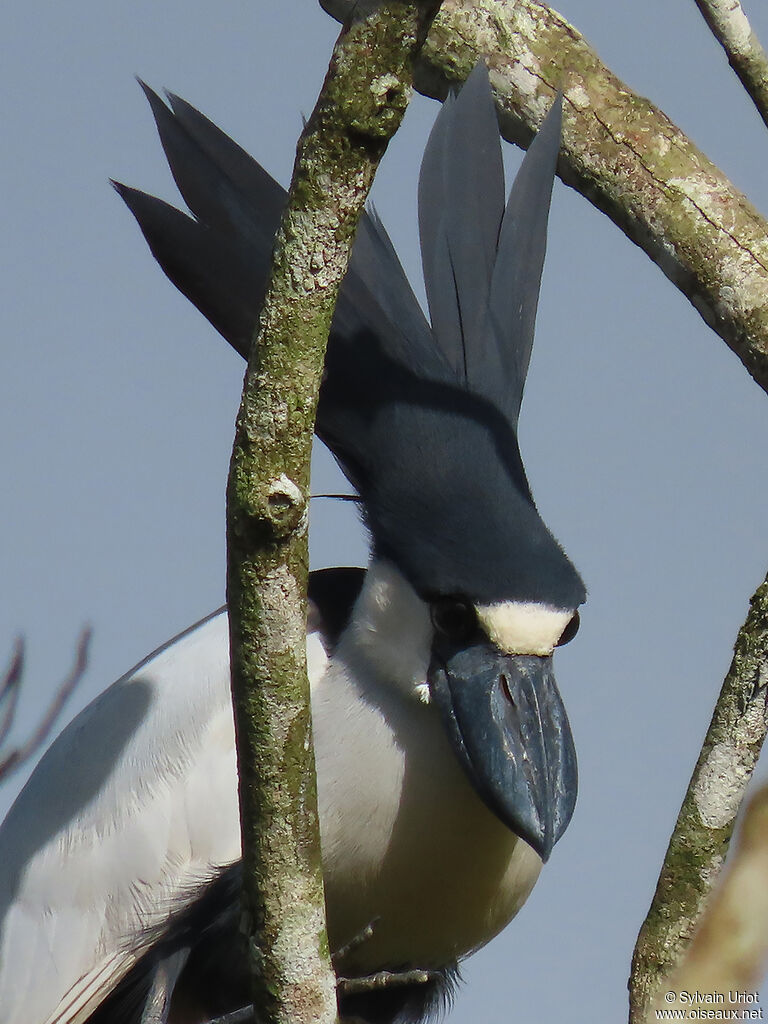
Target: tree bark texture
(620,151)
(729,951)
(731,27)
(704,826)
(361,105)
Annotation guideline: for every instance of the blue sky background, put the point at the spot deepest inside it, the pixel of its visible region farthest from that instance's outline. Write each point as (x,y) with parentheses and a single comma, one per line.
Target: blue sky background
(643,436)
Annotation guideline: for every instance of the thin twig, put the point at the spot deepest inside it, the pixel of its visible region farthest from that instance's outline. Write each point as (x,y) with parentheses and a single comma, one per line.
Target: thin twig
(731,27)
(9,690)
(363,936)
(704,826)
(384,979)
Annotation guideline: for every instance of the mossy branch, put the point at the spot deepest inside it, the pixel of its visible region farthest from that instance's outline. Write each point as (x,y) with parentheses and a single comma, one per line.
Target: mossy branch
(361,105)
(704,826)
(727,957)
(620,151)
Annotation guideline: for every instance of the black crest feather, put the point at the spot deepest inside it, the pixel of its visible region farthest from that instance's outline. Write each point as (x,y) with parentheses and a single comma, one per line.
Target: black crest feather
(421,418)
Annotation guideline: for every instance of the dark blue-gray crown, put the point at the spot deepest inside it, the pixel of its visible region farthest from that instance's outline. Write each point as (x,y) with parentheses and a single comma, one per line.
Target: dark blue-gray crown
(421,418)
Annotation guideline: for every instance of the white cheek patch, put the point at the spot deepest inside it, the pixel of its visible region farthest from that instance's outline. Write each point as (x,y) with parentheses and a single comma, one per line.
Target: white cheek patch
(391,626)
(522,627)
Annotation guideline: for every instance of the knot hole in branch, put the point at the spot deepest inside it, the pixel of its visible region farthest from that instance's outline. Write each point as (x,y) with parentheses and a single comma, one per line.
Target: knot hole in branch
(286,506)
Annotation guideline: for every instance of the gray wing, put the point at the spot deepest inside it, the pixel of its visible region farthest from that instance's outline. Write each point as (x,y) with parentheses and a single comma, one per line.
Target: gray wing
(128,816)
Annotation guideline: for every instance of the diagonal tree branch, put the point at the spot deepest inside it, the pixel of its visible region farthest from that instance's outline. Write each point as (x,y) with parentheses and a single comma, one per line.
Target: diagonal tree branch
(621,152)
(361,105)
(731,27)
(704,826)
(729,952)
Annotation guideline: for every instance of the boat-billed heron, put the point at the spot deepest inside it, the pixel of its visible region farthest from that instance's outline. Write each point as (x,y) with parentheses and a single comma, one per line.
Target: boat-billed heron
(446,766)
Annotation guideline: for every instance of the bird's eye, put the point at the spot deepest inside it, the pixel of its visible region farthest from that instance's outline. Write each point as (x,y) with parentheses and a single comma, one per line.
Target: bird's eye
(570,630)
(454,618)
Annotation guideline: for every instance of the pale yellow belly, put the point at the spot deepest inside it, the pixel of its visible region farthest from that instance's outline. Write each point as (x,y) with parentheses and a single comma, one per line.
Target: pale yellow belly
(434,872)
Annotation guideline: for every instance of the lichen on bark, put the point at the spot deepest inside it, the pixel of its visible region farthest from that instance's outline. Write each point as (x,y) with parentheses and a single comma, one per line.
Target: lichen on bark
(359,108)
(705,824)
(729,950)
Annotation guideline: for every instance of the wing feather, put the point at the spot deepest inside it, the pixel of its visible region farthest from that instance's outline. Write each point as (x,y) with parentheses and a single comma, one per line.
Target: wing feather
(105,837)
(129,814)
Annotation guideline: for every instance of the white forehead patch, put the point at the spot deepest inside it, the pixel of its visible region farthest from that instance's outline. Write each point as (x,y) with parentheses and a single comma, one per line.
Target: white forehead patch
(523,627)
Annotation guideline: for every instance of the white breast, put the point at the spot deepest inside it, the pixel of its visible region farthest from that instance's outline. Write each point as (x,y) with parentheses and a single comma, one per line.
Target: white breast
(136,804)
(407,843)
